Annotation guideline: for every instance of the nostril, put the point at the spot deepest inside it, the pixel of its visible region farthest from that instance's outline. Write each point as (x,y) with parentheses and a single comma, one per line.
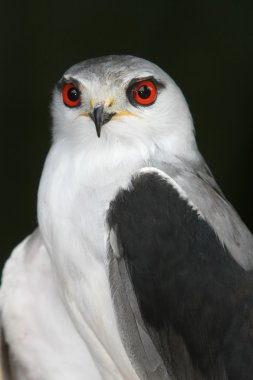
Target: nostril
(92,102)
(109,102)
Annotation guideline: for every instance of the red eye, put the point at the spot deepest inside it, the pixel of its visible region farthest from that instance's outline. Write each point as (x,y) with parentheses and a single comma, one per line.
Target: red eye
(71,95)
(144,92)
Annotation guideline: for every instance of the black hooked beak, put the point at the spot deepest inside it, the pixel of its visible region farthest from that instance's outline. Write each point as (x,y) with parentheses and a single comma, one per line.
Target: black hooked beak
(100,117)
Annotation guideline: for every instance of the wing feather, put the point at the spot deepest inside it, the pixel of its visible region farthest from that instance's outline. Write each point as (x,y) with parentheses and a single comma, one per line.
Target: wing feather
(200,186)
(187,291)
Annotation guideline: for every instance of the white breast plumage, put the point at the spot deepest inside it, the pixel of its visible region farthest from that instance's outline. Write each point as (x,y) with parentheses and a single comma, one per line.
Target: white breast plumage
(72,209)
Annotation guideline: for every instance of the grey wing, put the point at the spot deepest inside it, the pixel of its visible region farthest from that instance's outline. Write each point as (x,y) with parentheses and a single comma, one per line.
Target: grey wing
(141,221)
(143,354)
(148,351)
(202,189)
(182,302)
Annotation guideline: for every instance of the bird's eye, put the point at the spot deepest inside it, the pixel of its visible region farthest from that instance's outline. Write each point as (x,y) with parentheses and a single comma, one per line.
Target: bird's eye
(144,92)
(71,95)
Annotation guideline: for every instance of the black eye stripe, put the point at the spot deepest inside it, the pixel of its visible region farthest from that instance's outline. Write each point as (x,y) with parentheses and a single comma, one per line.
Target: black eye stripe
(63,81)
(159,84)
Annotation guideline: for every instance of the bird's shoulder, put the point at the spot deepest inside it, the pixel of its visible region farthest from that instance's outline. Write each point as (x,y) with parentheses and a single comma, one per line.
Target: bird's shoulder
(164,248)
(202,190)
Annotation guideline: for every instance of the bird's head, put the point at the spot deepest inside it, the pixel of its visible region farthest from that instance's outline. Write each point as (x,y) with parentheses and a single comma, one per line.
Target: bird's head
(122,102)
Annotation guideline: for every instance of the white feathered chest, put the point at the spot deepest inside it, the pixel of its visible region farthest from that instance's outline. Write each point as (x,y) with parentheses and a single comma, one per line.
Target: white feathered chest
(72,208)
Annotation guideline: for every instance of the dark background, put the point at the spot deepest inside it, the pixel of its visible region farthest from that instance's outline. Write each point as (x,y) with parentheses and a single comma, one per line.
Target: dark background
(206,46)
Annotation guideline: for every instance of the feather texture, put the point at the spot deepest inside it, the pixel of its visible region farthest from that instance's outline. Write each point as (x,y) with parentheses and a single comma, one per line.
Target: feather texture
(185,281)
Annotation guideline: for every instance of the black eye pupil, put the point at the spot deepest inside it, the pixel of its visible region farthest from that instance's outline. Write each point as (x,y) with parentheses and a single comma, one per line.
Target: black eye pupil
(144,92)
(73,94)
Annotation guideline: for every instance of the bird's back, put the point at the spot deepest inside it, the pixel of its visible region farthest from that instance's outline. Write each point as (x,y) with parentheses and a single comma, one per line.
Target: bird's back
(200,186)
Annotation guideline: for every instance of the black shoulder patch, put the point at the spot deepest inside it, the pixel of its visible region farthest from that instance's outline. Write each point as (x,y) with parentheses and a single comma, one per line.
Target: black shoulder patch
(184,278)
(63,81)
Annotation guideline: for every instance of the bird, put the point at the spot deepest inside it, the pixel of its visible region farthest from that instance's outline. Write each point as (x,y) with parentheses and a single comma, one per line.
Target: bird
(139,268)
